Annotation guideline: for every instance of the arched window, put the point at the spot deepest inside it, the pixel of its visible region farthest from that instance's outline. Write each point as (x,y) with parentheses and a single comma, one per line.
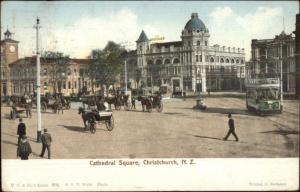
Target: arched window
(158,62)
(222,60)
(242,61)
(232,60)
(237,61)
(198,43)
(167,61)
(227,60)
(176,61)
(211,60)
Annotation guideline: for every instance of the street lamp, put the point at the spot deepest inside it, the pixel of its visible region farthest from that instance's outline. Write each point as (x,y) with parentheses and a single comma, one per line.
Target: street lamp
(39,119)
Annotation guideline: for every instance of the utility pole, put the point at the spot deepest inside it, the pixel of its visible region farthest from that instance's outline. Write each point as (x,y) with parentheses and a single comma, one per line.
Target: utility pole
(281,90)
(125,65)
(39,119)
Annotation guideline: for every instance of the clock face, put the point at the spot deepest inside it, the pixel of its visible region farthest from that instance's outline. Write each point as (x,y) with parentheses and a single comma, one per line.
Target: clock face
(12,48)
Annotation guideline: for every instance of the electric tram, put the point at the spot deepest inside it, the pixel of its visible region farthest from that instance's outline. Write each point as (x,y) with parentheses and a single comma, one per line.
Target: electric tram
(263,95)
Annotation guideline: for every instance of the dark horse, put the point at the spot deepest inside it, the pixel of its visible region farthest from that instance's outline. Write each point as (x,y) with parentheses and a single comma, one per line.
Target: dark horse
(85,116)
(146,102)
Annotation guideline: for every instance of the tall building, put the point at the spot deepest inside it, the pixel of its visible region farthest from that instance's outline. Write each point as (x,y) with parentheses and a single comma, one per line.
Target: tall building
(269,55)
(9,54)
(18,75)
(190,64)
(297,53)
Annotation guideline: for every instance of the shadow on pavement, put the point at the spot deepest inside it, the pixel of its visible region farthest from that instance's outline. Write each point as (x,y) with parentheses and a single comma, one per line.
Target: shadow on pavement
(282,132)
(28,137)
(223,111)
(80,129)
(206,137)
(9,142)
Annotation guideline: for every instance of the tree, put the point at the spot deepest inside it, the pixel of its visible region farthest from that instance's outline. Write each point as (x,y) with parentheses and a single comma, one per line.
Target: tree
(57,64)
(106,64)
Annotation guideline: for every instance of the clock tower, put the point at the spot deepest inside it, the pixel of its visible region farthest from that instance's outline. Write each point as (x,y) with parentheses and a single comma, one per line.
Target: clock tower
(9,49)
(9,54)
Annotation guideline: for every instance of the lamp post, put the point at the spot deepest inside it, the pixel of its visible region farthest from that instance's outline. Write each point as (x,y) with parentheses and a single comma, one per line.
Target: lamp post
(125,66)
(39,119)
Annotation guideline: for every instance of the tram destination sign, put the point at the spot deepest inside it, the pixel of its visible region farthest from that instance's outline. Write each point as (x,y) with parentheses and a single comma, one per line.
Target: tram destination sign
(262,82)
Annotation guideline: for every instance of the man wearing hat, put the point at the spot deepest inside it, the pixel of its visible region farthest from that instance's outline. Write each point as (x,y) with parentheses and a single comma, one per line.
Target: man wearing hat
(21,129)
(231,128)
(24,148)
(46,140)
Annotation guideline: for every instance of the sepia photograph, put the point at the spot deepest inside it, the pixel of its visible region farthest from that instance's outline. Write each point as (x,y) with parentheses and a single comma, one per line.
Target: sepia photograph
(150,95)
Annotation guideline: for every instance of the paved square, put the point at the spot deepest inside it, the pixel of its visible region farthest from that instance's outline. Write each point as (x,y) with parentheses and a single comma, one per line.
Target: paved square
(177,132)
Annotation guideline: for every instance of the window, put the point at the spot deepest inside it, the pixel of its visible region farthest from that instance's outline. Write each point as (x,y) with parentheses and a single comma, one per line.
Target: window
(200,58)
(69,71)
(232,60)
(189,43)
(242,61)
(75,85)
(211,60)
(198,43)
(222,60)
(69,85)
(64,85)
(227,60)
(237,61)
(176,61)
(197,58)
(167,61)
(205,43)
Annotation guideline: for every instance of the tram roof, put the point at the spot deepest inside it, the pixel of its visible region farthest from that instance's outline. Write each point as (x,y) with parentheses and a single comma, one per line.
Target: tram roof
(262,83)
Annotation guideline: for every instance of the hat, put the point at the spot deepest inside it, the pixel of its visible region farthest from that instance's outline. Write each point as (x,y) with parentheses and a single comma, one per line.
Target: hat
(24,137)
(45,130)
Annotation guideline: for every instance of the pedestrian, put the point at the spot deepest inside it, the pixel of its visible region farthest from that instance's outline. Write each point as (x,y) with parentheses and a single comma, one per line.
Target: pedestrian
(132,103)
(28,110)
(24,148)
(21,129)
(46,141)
(231,128)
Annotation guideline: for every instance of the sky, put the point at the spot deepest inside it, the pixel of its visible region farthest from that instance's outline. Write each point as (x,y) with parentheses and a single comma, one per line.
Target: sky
(77,27)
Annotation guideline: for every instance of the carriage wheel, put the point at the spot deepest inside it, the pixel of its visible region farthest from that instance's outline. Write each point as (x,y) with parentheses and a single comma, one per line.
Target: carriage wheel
(159,107)
(92,124)
(110,124)
(43,107)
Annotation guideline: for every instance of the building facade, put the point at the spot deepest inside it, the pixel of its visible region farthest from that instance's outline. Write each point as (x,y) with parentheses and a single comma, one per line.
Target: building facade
(18,76)
(9,54)
(269,55)
(190,64)
(297,54)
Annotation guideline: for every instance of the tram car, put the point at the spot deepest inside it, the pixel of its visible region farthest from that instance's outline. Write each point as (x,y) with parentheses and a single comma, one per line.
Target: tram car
(263,95)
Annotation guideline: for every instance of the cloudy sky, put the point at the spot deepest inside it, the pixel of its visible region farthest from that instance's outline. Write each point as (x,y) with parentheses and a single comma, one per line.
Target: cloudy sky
(77,27)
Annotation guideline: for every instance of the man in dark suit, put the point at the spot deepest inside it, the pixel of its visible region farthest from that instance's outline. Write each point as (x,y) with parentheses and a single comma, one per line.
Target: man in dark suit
(231,128)
(21,129)
(46,140)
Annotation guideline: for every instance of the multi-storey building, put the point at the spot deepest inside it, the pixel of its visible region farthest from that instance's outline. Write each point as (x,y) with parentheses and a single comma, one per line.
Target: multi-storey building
(18,76)
(190,64)
(269,56)
(297,54)
(9,54)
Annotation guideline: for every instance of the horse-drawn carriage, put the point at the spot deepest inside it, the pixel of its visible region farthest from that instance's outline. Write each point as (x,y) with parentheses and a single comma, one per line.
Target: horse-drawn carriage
(19,105)
(93,117)
(54,102)
(151,102)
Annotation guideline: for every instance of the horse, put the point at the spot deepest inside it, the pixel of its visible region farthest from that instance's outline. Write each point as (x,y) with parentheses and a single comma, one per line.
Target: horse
(84,115)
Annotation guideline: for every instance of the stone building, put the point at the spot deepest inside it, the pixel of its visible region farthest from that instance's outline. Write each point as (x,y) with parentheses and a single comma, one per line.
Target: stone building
(9,54)
(297,54)
(18,76)
(269,54)
(191,64)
